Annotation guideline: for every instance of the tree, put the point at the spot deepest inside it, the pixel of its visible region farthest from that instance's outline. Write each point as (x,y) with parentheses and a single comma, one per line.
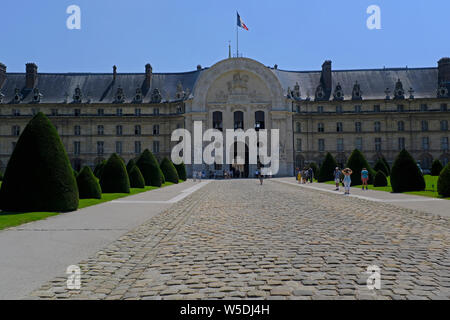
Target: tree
(181,170)
(169,171)
(39,176)
(88,186)
(436,168)
(150,170)
(130,165)
(405,174)
(327,169)
(315,168)
(136,178)
(357,162)
(1,175)
(380,179)
(387,165)
(114,178)
(99,169)
(443,185)
(381,165)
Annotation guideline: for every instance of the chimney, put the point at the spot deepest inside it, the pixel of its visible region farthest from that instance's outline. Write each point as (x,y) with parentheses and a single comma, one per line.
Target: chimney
(114,73)
(31,75)
(444,72)
(2,74)
(148,76)
(325,78)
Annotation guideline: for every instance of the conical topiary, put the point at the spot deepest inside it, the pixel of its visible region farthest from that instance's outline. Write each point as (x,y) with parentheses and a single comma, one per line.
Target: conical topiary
(380,179)
(381,165)
(114,178)
(436,168)
(75,173)
(39,176)
(405,174)
(150,170)
(163,178)
(357,162)
(169,171)
(443,184)
(181,170)
(315,168)
(136,178)
(1,175)
(99,169)
(327,169)
(130,165)
(88,186)
(388,167)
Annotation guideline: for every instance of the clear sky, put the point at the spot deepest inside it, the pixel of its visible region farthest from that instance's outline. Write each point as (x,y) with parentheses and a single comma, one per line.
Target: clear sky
(177,35)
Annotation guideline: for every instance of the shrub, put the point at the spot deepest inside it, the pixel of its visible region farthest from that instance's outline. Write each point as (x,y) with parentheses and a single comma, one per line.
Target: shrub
(387,166)
(136,178)
(357,162)
(169,171)
(130,165)
(1,175)
(313,165)
(150,170)
(114,178)
(327,169)
(436,168)
(381,165)
(181,170)
(380,179)
(405,174)
(99,169)
(39,176)
(163,177)
(88,186)
(75,173)
(443,184)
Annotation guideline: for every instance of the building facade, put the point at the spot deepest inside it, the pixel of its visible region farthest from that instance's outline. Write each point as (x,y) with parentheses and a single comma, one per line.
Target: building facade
(379,111)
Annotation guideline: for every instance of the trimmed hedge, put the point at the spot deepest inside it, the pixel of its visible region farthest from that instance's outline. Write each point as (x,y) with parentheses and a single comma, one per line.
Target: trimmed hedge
(381,165)
(150,170)
(326,172)
(443,185)
(1,175)
(436,168)
(130,165)
(181,170)
(169,171)
(163,177)
(39,176)
(380,179)
(99,169)
(136,178)
(315,168)
(357,162)
(387,166)
(88,186)
(114,178)
(405,174)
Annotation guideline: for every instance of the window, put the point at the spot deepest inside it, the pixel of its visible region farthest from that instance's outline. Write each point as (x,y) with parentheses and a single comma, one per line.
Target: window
(444,143)
(340,145)
(259,120)
(100,130)
(179,125)
(401,126)
(299,145)
(137,112)
(357,126)
(358,109)
(401,144)
(376,108)
(100,149)
(77,130)
(443,107)
(359,143)
(338,109)
(54,112)
(119,112)
(424,125)
(238,120)
(118,147)
(137,130)
(321,145)
(137,147)
(77,112)
(16,112)
(320,127)
(444,125)
(100,112)
(76,147)
(425,143)
(156,111)
(377,126)
(15,131)
(298,127)
(320,109)
(423,107)
(156,129)
(155,146)
(400,108)
(119,130)
(378,144)
(339,127)
(217,120)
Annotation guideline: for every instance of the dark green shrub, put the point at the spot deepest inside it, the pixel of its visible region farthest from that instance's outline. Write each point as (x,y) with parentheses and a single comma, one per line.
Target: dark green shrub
(136,178)
(380,165)
(130,165)
(327,169)
(150,170)
(380,179)
(114,178)
(181,170)
(315,168)
(405,174)
(39,176)
(99,169)
(169,171)
(88,186)
(436,168)
(357,162)
(387,166)
(443,184)
(163,177)
(1,175)
(75,173)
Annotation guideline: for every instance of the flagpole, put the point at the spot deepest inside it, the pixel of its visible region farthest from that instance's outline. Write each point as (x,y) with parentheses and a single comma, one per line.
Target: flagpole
(237,40)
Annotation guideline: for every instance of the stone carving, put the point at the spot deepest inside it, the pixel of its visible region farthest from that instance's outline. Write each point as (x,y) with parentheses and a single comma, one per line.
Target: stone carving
(77,96)
(120,96)
(36,95)
(180,94)
(17,96)
(399,93)
(442,92)
(296,93)
(356,92)
(156,96)
(338,93)
(320,93)
(239,84)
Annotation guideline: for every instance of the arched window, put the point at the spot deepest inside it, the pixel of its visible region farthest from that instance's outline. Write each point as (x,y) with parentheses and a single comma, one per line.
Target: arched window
(217,120)
(259,120)
(238,120)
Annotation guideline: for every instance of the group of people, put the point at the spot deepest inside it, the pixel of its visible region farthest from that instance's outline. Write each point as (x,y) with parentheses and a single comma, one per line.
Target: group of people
(198,175)
(306,175)
(347,179)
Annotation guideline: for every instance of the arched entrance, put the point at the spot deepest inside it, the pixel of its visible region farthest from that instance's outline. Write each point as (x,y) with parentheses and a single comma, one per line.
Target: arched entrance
(240,150)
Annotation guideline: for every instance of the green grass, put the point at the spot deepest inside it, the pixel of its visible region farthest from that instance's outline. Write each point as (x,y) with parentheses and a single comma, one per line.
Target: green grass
(12,219)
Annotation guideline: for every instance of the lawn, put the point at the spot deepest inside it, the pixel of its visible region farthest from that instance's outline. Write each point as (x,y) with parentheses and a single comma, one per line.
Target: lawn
(12,219)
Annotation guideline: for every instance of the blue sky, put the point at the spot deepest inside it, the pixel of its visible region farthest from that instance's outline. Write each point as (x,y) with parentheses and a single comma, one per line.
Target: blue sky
(176,35)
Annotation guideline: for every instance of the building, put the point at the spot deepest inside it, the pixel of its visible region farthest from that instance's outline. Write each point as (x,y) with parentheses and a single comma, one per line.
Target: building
(379,111)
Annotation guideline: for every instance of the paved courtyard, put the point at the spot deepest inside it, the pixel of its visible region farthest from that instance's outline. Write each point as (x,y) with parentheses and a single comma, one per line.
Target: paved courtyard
(237,239)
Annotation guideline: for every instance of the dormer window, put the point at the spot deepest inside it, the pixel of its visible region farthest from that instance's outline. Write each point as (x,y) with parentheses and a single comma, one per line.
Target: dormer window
(138,96)
(77,95)
(356,92)
(120,97)
(442,91)
(36,95)
(17,96)
(1,97)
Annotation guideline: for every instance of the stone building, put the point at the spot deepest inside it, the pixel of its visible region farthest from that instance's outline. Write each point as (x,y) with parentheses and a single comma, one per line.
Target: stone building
(379,111)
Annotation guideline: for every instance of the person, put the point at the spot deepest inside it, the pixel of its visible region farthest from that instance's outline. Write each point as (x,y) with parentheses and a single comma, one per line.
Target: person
(194,175)
(305,175)
(261,178)
(337,177)
(296,173)
(311,175)
(347,179)
(365,178)
(299,176)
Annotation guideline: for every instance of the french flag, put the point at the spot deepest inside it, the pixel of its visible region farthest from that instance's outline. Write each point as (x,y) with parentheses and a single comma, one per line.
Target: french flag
(241,23)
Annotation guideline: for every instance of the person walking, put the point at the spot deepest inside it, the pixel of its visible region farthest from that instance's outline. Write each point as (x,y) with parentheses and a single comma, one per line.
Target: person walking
(311,175)
(299,176)
(347,179)
(365,178)
(337,177)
